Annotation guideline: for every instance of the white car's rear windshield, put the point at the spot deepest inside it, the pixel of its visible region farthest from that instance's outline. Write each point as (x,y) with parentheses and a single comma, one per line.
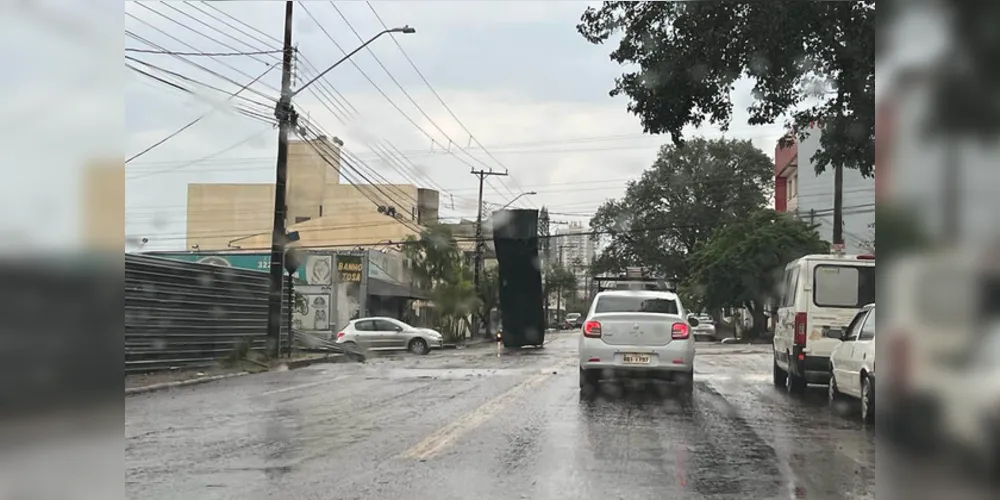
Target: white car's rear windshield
(630,304)
(843,286)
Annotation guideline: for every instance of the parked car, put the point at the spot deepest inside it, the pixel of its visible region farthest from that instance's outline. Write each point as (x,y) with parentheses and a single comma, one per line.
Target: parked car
(385,334)
(941,375)
(971,408)
(637,334)
(821,296)
(706,328)
(573,320)
(852,365)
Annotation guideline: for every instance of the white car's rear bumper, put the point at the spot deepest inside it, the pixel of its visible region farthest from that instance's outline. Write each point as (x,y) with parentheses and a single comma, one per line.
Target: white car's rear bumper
(675,357)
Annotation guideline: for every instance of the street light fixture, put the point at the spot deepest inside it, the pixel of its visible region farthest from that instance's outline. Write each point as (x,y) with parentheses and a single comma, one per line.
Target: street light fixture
(522,195)
(406,30)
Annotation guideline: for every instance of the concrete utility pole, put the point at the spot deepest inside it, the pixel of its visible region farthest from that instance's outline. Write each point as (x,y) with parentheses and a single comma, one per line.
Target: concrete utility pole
(480,242)
(286,119)
(838,205)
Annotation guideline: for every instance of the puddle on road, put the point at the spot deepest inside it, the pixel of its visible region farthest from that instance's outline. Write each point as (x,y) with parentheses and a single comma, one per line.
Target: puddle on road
(456,373)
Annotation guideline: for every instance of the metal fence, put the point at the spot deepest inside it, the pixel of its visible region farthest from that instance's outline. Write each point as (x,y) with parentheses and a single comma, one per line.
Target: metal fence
(180,314)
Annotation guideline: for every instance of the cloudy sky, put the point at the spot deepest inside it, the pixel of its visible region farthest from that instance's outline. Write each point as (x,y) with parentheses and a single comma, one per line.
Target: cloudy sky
(516,75)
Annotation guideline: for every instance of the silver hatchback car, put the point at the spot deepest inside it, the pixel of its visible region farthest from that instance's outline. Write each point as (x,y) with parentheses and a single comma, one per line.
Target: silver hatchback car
(637,334)
(387,334)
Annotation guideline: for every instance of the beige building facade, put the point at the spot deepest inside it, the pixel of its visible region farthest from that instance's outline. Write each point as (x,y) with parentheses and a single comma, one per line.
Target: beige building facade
(323,211)
(102,214)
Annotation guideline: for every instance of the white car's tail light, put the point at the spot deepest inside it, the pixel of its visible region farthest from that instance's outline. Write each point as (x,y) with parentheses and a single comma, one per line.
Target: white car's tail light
(592,329)
(680,331)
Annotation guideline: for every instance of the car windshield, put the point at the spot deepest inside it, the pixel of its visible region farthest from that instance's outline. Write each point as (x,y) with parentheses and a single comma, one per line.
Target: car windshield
(635,304)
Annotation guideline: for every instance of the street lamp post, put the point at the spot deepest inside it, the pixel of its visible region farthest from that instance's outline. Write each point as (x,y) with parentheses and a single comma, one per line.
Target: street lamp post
(287,118)
(522,195)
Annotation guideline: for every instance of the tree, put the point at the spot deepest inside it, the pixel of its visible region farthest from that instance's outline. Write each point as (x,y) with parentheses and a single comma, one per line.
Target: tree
(812,60)
(561,282)
(741,265)
(868,244)
(904,230)
(438,266)
(489,287)
(677,204)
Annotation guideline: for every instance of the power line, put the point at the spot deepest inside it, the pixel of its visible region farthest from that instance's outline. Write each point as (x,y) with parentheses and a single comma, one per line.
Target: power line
(376,86)
(195,121)
(247,112)
(451,142)
(203,68)
(188,45)
(217,153)
(323,93)
(205,54)
(434,91)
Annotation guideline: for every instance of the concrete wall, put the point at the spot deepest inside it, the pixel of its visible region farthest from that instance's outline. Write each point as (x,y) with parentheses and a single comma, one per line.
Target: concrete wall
(308,175)
(220,213)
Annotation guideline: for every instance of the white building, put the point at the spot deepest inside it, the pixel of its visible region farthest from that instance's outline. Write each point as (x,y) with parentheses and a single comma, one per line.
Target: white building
(800,191)
(576,251)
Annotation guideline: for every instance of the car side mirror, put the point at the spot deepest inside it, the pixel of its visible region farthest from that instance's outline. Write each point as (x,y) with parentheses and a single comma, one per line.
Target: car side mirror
(693,321)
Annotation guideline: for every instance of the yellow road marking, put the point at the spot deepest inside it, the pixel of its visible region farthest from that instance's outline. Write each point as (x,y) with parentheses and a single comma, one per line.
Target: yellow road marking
(443,438)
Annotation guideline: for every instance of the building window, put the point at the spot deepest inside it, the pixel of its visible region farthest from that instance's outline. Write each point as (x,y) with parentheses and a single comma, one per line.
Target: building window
(793,187)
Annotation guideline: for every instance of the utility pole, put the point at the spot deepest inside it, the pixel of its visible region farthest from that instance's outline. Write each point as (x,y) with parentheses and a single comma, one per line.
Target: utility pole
(838,205)
(480,242)
(559,290)
(286,119)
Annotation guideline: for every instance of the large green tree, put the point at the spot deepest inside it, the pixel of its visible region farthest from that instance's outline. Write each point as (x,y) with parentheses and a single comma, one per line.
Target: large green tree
(741,265)
(676,205)
(813,61)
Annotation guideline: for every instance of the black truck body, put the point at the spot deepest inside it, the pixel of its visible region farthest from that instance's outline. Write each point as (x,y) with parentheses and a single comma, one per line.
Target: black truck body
(515,235)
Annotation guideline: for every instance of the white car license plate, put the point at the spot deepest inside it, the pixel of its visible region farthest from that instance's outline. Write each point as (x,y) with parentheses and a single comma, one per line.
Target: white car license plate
(636,359)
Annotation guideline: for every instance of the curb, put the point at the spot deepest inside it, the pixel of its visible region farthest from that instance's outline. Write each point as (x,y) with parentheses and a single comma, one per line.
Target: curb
(182,383)
(302,363)
(293,365)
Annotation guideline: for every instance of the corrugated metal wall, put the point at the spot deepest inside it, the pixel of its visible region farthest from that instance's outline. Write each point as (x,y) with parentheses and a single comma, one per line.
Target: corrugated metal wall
(180,314)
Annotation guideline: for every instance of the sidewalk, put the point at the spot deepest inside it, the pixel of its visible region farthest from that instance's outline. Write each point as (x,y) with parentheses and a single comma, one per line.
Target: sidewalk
(151,382)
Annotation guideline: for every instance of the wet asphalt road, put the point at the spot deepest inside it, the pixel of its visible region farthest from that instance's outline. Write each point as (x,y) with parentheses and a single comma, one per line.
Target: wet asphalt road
(475,425)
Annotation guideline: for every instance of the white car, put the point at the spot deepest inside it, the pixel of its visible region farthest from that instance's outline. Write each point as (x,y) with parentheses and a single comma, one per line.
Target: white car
(852,365)
(387,334)
(706,328)
(637,333)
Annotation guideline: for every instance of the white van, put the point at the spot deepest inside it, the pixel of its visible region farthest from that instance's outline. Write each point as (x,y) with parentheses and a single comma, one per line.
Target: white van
(821,294)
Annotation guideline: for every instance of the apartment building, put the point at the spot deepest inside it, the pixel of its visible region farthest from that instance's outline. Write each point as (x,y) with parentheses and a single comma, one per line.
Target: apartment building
(575,250)
(799,190)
